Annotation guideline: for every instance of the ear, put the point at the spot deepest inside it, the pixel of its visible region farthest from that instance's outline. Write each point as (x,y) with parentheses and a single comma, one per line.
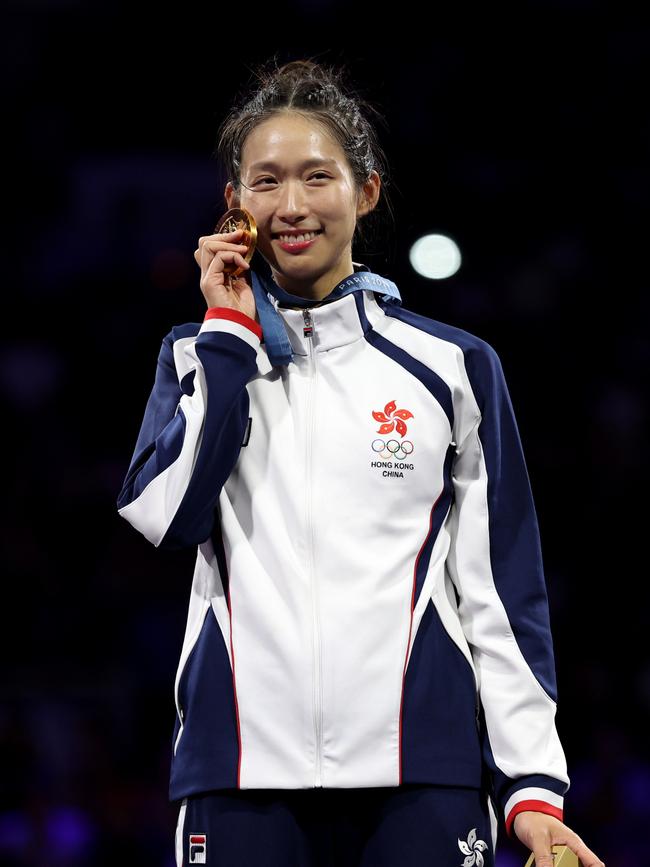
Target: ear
(369,194)
(231,197)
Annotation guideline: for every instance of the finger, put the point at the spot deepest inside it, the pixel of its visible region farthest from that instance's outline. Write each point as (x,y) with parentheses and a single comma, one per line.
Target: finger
(585,855)
(210,262)
(236,258)
(217,237)
(234,234)
(577,845)
(220,235)
(210,249)
(218,243)
(541,846)
(216,266)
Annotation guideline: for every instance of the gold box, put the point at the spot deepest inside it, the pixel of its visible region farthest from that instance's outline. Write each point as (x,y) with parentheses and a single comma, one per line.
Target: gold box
(564,857)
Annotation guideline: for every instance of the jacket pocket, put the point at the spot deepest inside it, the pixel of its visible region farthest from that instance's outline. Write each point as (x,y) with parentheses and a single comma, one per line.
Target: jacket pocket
(180,684)
(440,732)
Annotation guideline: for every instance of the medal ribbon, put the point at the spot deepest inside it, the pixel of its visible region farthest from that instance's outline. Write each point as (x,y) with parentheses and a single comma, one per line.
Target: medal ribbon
(276,340)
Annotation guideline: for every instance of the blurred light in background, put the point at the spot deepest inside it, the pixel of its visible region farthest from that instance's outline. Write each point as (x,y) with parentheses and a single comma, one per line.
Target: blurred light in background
(435,257)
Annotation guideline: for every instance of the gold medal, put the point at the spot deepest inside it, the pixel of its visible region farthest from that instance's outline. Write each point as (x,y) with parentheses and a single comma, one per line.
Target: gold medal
(238,218)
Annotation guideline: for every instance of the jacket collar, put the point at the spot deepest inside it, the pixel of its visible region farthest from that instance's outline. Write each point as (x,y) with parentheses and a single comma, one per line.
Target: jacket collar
(334,323)
(270,299)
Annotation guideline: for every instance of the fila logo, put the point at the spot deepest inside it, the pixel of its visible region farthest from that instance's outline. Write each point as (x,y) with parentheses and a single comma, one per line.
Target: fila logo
(198,844)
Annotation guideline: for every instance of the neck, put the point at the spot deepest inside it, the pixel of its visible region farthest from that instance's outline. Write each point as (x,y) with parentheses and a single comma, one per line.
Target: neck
(315,289)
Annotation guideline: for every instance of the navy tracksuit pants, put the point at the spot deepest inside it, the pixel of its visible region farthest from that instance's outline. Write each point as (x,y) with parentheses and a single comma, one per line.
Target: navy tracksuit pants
(396,826)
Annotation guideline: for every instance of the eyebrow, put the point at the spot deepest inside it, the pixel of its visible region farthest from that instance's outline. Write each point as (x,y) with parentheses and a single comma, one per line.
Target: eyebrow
(314,161)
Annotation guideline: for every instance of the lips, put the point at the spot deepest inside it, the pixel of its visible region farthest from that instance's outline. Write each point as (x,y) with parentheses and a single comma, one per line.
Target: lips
(294,246)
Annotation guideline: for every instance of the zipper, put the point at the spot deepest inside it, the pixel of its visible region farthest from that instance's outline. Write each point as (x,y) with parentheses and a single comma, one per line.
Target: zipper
(308,331)
(308,328)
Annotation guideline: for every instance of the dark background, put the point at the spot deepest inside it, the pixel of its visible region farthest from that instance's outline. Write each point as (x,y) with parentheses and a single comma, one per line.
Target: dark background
(522,133)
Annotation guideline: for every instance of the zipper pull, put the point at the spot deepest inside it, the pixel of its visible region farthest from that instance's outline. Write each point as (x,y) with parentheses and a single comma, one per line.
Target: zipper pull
(308,327)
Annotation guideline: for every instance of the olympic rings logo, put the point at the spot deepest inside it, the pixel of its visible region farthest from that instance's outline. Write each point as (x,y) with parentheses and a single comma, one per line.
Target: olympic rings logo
(392,448)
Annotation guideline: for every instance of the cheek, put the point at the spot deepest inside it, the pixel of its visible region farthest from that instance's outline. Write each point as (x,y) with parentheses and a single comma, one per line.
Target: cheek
(340,205)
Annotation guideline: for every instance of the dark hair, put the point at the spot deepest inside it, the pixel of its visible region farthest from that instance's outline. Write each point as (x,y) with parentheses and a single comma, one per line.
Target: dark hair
(320,92)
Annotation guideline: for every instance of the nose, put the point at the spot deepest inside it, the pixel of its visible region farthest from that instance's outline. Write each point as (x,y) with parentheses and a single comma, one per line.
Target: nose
(292,203)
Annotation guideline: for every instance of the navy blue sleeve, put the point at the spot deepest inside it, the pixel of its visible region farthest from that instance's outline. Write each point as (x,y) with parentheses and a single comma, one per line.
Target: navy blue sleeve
(496,564)
(192,431)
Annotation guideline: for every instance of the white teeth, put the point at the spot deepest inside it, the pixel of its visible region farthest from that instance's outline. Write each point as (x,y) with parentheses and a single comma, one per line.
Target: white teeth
(297,239)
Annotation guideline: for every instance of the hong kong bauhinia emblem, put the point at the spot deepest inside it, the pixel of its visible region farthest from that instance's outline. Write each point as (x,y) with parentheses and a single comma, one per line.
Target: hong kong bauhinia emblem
(391,450)
(392,418)
(473,850)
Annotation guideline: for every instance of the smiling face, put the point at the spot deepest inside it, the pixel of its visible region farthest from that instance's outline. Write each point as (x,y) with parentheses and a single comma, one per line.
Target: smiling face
(296,178)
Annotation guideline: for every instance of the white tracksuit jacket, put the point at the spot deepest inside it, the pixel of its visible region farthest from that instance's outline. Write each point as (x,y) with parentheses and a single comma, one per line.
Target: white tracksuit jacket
(368,606)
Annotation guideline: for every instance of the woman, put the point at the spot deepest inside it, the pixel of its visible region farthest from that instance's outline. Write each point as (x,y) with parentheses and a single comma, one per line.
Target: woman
(367,675)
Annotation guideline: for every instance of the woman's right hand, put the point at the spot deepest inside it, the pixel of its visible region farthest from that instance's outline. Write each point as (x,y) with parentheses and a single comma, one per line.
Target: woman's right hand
(213,251)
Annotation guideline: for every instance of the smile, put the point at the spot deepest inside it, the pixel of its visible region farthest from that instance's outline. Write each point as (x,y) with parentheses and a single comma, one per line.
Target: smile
(295,243)
(293,238)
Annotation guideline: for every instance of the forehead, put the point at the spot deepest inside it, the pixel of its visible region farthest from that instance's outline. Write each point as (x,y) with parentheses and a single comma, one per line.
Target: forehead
(290,140)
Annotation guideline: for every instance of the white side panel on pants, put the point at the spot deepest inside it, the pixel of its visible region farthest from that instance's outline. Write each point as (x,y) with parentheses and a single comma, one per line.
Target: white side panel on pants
(179,833)
(494,824)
